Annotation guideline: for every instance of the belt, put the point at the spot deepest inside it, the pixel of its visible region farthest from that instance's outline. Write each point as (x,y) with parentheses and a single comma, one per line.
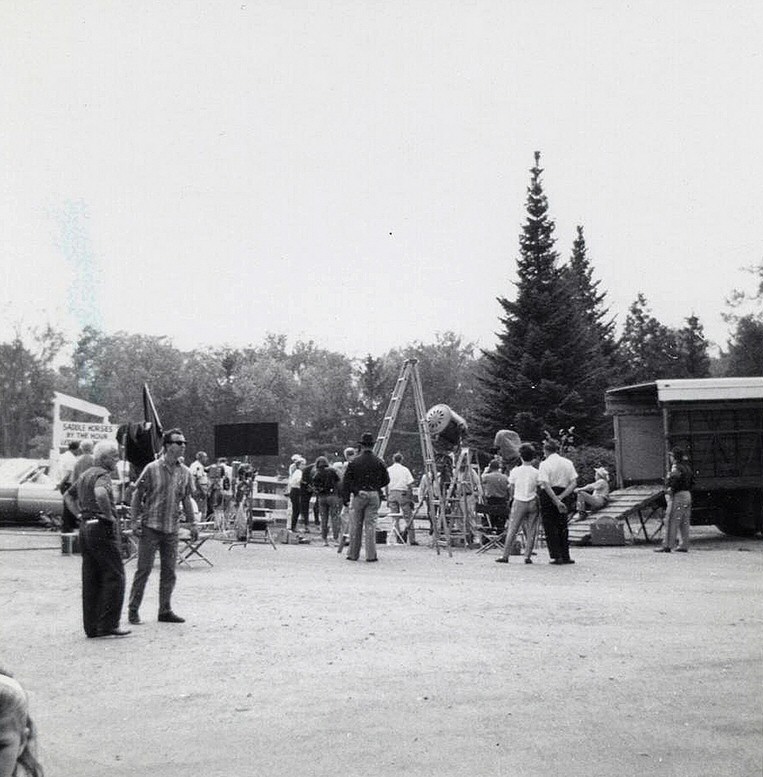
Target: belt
(367,491)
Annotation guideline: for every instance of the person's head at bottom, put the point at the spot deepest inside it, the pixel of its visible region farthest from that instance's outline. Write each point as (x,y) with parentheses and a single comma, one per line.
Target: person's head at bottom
(18,737)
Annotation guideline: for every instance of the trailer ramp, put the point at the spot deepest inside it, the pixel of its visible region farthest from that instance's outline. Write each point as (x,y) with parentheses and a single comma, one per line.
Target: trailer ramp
(638,508)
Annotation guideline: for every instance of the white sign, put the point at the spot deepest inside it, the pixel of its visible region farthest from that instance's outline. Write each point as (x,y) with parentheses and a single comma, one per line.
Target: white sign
(71,431)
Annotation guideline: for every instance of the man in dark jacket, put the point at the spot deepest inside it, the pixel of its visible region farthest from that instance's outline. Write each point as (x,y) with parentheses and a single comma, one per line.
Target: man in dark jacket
(306,494)
(326,487)
(366,475)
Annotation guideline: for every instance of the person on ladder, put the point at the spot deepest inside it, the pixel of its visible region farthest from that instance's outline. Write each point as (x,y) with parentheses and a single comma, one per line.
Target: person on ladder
(400,498)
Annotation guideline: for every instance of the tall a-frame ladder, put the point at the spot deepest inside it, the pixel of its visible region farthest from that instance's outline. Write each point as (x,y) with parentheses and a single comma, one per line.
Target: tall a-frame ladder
(410,373)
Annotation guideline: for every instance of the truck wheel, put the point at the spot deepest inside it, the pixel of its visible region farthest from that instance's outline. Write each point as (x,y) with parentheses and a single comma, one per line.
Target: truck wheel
(735,529)
(742,512)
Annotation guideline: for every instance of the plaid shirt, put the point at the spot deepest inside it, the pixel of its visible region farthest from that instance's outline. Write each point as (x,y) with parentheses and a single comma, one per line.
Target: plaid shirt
(160,488)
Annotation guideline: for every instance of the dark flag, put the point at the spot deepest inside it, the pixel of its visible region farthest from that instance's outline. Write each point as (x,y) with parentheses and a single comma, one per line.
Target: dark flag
(152,418)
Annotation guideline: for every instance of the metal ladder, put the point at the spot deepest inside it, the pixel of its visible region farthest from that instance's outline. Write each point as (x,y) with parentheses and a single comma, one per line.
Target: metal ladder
(410,372)
(458,515)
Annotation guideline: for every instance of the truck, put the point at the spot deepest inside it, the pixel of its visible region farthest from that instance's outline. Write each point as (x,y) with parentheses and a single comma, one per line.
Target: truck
(718,422)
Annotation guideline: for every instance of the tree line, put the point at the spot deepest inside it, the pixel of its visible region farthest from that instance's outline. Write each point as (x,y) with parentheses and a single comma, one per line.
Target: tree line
(557,352)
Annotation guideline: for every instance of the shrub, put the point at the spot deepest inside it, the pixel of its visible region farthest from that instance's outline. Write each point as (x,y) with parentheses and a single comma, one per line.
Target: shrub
(587,457)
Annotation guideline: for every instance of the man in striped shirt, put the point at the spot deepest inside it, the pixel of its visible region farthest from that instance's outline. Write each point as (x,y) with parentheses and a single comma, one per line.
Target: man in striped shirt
(161,487)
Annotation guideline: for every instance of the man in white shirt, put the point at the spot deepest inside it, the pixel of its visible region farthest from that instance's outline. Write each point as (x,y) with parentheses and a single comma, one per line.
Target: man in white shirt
(66,462)
(200,481)
(523,491)
(400,497)
(557,479)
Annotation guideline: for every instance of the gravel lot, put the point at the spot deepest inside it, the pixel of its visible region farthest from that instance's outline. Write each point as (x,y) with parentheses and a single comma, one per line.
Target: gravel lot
(296,662)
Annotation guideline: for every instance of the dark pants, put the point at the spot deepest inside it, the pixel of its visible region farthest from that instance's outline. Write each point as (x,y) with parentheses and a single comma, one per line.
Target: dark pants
(295,499)
(103,578)
(498,516)
(69,520)
(304,507)
(329,508)
(555,526)
(168,552)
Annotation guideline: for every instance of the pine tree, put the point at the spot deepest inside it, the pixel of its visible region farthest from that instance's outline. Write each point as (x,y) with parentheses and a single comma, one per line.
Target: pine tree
(745,353)
(585,289)
(692,349)
(600,327)
(536,378)
(648,348)
(745,347)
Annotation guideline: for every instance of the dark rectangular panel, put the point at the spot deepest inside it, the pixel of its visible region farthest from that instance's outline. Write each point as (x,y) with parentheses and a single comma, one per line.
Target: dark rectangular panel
(246,439)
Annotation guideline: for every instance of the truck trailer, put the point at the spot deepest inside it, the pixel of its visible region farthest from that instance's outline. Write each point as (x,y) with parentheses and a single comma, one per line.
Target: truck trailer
(718,422)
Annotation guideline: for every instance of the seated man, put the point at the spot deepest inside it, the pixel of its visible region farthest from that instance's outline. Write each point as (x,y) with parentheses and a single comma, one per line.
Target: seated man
(595,495)
(495,486)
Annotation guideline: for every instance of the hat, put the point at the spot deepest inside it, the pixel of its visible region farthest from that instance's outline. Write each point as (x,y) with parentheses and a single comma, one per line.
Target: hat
(296,457)
(601,472)
(367,440)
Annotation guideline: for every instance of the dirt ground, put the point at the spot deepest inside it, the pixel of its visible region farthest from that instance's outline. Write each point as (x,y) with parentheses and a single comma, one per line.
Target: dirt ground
(296,662)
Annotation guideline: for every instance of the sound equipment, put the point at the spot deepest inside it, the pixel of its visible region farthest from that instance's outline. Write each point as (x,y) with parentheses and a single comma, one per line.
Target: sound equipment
(246,439)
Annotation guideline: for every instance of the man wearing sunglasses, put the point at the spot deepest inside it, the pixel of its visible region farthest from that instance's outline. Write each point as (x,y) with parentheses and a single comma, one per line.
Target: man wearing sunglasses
(163,484)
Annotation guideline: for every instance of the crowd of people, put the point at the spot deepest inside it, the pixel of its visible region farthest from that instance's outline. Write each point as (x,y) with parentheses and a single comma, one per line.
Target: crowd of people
(342,498)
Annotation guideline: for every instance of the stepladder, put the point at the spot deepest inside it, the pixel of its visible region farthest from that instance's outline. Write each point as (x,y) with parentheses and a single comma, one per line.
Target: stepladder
(409,373)
(457,515)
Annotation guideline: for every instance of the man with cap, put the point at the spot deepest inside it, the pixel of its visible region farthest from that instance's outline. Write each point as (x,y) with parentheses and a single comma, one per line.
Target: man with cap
(557,480)
(595,495)
(366,475)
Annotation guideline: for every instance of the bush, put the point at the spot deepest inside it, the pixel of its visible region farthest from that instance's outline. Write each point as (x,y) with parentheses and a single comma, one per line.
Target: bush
(587,457)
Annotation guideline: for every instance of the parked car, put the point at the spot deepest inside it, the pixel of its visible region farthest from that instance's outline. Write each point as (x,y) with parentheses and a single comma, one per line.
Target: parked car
(28,494)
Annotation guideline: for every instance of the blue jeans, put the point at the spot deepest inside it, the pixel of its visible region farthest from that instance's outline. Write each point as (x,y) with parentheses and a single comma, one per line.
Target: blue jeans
(678,520)
(168,553)
(365,509)
(329,507)
(402,502)
(522,514)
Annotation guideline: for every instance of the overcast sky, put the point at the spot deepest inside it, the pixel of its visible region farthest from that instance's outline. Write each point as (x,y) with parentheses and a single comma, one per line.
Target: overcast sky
(355,172)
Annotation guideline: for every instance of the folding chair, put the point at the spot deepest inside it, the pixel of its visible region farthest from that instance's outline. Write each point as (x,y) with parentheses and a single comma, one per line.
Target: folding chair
(258,520)
(189,547)
(492,525)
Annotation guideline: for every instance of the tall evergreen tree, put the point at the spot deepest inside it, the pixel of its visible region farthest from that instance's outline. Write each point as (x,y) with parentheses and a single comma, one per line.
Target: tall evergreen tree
(600,325)
(745,347)
(692,349)
(585,290)
(649,349)
(545,360)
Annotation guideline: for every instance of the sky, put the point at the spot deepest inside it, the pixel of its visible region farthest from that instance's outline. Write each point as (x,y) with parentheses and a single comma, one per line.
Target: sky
(355,173)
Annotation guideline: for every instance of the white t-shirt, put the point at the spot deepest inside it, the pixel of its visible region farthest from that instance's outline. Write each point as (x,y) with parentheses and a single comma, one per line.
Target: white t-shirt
(400,477)
(199,473)
(525,481)
(295,479)
(557,471)
(66,462)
